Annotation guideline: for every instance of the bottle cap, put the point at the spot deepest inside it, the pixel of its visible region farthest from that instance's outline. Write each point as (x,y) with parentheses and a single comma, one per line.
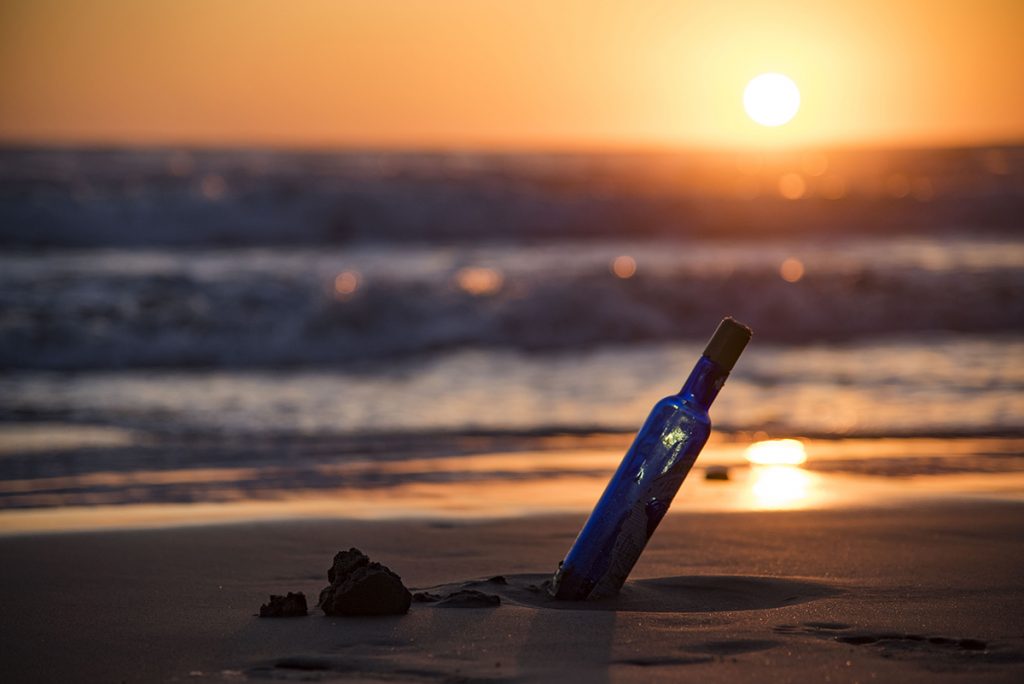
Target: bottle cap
(728,343)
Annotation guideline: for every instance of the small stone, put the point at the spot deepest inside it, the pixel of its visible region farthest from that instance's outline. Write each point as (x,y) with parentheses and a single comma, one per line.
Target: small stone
(425,597)
(292,605)
(716,472)
(973,644)
(498,579)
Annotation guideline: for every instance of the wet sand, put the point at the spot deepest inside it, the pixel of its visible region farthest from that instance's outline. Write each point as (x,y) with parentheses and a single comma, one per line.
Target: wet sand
(61,478)
(928,592)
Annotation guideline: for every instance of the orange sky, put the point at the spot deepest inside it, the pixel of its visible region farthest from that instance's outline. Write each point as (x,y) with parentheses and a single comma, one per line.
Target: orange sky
(508,74)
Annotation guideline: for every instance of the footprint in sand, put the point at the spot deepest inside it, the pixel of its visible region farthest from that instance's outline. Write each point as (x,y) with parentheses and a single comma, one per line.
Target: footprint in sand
(931,649)
(706,652)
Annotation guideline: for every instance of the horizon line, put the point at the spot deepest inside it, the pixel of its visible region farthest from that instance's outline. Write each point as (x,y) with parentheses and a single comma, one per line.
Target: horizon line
(500,149)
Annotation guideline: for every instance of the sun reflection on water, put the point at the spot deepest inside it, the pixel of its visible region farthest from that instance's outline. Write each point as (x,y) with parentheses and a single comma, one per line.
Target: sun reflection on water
(776,481)
(776,452)
(554,475)
(779,487)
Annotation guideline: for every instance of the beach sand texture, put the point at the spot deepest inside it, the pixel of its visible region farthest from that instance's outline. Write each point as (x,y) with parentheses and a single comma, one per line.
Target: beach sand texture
(932,592)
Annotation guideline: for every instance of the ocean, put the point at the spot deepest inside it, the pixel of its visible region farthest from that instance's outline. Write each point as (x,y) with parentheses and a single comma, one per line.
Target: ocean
(350,296)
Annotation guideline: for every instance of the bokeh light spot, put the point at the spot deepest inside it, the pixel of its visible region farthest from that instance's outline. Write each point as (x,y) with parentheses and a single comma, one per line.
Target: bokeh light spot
(479,280)
(213,187)
(345,284)
(792,186)
(624,267)
(996,163)
(832,187)
(180,164)
(814,163)
(791,270)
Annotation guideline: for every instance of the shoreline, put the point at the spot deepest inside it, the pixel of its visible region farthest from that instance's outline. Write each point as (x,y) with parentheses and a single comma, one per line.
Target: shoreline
(50,483)
(836,493)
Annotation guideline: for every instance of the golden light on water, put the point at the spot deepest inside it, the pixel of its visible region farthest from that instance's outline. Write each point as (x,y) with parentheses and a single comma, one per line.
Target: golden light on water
(791,271)
(897,186)
(814,163)
(776,452)
(832,187)
(775,482)
(746,188)
(771,99)
(624,267)
(792,186)
(561,475)
(922,190)
(479,280)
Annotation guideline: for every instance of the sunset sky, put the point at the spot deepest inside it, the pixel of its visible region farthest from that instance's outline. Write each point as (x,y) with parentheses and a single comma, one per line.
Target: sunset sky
(522,74)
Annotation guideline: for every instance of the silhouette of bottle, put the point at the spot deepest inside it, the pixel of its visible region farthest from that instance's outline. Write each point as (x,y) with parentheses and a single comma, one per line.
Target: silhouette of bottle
(640,491)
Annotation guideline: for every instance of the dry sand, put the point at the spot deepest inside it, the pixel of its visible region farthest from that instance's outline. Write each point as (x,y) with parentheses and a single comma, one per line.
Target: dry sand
(925,593)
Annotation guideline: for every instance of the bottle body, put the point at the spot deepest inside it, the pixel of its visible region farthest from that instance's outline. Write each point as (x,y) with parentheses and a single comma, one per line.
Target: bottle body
(641,490)
(634,502)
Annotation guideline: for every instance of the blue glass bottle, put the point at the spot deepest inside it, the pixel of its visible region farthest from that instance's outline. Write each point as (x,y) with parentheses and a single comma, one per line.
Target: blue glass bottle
(641,490)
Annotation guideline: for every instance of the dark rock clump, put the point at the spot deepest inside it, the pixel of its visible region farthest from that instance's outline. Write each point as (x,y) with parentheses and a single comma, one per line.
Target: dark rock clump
(292,605)
(362,587)
(425,597)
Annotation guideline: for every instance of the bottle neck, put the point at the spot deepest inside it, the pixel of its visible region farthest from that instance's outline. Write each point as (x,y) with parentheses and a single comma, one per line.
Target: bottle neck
(704,383)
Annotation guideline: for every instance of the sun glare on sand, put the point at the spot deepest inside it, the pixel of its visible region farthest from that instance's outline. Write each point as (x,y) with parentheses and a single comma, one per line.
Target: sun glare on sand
(771,99)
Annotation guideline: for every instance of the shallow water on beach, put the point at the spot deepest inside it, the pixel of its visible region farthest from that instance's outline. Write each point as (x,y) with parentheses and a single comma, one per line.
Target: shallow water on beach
(966,385)
(236,481)
(484,433)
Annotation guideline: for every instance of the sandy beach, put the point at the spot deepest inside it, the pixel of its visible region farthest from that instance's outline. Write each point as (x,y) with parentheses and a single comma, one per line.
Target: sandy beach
(919,593)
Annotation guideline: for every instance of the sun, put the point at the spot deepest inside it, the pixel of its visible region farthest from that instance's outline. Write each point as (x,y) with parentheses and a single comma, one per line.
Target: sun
(771,99)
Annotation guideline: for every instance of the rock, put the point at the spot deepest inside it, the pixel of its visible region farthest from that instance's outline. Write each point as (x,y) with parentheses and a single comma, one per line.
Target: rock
(292,605)
(716,472)
(470,598)
(345,563)
(425,597)
(498,579)
(362,587)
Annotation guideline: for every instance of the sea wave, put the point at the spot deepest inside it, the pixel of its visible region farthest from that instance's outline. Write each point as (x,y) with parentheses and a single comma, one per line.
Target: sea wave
(203,198)
(946,385)
(259,308)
